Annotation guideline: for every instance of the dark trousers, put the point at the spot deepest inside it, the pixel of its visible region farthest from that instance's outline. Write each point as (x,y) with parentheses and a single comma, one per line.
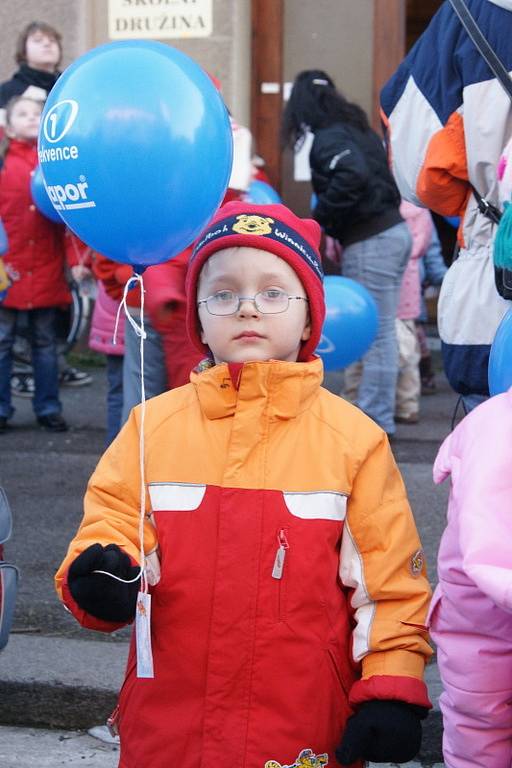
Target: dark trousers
(41,334)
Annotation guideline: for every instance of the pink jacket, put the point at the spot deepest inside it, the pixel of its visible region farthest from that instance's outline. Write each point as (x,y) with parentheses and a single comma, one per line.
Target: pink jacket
(474,593)
(475,561)
(103,325)
(471,613)
(420,225)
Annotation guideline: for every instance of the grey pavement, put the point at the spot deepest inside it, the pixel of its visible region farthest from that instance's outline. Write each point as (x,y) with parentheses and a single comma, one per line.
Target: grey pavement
(27,747)
(56,675)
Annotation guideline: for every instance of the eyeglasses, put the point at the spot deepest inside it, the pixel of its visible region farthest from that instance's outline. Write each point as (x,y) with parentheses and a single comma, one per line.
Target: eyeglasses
(269,302)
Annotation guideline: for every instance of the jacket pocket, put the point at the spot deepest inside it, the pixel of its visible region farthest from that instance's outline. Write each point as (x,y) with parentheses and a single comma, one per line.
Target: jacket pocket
(336,668)
(176,497)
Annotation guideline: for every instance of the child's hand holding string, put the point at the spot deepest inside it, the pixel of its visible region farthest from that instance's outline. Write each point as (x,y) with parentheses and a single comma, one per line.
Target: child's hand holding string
(103,582)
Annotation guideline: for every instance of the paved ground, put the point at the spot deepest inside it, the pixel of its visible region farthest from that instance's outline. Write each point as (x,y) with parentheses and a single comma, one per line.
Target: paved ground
(28,747)
(55,674)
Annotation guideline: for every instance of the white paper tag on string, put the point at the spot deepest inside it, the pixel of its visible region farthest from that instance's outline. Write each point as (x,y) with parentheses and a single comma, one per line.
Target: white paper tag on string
(143,635)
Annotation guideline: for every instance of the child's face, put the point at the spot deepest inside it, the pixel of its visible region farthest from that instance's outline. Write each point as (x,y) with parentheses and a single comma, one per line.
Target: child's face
(42,51)
(24,120)
(249,334)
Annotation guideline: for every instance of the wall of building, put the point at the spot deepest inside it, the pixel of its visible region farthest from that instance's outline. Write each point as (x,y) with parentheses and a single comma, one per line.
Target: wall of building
(68,16)
(84,24)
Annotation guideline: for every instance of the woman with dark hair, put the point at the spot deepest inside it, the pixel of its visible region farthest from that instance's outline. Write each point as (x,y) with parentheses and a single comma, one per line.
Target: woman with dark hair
(38,53)
(358,204)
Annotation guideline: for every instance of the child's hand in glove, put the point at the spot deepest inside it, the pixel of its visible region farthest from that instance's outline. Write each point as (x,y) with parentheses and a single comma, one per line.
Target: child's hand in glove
(100,595)
(382,731)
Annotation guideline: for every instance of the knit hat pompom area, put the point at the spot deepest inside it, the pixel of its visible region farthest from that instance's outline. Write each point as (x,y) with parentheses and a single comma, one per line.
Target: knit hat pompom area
(272,228)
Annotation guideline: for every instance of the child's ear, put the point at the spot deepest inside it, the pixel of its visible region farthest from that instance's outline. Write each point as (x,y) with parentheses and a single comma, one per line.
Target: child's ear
(306,333)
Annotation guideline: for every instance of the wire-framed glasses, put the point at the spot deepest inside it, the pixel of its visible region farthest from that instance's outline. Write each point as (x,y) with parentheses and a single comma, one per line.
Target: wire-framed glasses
(271,301)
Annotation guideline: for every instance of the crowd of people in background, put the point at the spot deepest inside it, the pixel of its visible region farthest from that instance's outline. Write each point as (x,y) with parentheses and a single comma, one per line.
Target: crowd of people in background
(358,206)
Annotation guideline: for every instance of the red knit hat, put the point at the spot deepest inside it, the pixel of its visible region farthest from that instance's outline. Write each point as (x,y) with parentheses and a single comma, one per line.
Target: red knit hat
(272,228)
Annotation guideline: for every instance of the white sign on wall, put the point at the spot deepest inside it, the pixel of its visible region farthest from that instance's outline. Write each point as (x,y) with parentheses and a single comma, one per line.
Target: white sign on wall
(159,19)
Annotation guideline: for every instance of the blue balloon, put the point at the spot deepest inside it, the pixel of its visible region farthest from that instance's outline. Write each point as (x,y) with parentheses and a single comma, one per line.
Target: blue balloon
(136,150)
(4,244)
(350,325)
(500,359)
(40,197)
(261,193)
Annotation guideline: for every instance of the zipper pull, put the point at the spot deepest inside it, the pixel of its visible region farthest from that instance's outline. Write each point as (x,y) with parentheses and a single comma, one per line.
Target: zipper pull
(277,570)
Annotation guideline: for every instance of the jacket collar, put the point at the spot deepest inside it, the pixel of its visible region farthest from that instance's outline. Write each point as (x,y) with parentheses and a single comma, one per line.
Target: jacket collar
(285,389)
(37,77)
(26,149)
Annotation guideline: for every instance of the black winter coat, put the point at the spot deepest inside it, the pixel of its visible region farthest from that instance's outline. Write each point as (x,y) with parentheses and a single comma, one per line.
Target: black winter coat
(357,195)
(25,81)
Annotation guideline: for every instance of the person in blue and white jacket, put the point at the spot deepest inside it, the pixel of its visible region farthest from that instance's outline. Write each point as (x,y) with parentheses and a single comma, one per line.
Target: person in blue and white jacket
(448,119)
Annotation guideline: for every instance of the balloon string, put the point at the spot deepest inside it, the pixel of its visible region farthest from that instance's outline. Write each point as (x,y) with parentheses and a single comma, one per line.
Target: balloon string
(141,333)
(139,329)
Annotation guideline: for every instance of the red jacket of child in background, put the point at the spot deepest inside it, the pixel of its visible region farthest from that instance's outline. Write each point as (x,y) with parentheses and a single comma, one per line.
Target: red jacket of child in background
(38,247)
(164,302)
(166,305)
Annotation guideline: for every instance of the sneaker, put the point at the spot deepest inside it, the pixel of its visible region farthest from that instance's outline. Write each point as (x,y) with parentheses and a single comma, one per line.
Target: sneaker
(53,422)
(413,418)
(3,424)
(22,385)
(72,377)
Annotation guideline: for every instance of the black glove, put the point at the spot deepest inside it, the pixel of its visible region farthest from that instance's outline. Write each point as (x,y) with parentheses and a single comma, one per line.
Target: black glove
(382,731)
(100,595)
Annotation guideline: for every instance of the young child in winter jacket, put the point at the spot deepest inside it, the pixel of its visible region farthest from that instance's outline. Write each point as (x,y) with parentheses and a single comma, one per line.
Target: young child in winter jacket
(471,614)
(34,263)
(101,339)
(408,387)
(287,578)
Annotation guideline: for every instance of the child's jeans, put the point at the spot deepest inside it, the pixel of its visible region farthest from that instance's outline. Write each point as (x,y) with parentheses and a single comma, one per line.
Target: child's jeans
(41,330)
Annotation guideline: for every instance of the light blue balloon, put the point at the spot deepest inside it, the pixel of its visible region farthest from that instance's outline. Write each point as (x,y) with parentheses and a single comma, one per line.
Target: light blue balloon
(4,244)
(261,193)
(136,150)
(40,197)
(500,359)
(351,323)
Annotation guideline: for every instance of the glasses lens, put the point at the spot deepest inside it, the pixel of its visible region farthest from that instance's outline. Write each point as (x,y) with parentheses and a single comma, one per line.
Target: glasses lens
(271,301)
(222,303)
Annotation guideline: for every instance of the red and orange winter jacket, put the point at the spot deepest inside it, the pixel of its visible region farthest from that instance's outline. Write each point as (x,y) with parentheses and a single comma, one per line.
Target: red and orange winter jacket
(257,659)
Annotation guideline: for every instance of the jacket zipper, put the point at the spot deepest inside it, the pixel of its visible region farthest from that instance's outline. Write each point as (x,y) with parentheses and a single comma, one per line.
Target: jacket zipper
(277,571)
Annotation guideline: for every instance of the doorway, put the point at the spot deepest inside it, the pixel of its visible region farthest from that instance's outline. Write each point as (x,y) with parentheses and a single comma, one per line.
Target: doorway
(418,16)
